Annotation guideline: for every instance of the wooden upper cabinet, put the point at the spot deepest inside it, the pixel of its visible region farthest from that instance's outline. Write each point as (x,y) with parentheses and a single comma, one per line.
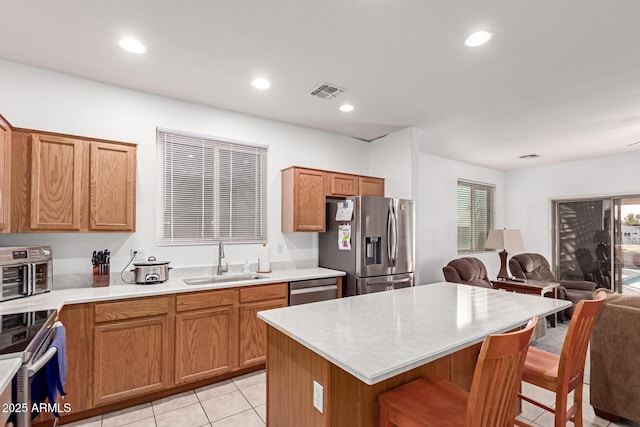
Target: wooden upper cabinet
(70,184)
(56,182)
(304,191)
(343,184)
(112,202)
(303,199)
(370,186)
(5,174)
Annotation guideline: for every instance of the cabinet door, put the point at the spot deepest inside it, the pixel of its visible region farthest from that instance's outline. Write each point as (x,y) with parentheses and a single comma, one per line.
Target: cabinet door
(5,174)
(56,187)
(309,200)
(343,185)
(253,331)
(371,186)
(113,187)
(205,344)
(131,358)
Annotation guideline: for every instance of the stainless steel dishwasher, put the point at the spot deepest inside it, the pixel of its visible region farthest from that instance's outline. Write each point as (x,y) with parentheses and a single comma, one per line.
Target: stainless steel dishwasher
(305,291)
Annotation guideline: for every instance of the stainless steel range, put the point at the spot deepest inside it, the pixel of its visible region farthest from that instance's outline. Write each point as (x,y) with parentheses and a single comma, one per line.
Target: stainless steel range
(25,270)
(27,336)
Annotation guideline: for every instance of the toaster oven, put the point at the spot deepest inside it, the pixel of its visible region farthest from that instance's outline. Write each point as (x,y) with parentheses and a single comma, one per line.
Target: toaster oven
(24,271)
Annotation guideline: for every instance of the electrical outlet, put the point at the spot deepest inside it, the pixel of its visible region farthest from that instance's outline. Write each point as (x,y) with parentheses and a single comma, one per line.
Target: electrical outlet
(280,248)
(139,254)
(318,397)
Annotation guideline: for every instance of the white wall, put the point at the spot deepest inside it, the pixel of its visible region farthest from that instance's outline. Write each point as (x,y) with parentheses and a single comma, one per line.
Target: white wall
(530,192)
(40,99)
(393,157)
(436,229)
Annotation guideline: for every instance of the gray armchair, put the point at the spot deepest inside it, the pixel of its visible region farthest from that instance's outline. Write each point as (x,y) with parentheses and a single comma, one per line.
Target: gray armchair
(468,271)
(536,267)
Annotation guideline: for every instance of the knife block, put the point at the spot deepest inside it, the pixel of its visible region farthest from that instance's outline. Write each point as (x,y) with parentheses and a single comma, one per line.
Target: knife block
(100,279)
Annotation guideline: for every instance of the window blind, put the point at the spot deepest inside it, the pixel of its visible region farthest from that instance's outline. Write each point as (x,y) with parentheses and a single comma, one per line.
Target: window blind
(475,215)
(211,189)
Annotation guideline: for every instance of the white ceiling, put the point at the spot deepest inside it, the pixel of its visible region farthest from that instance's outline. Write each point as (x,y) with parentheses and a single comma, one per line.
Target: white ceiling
(559,78)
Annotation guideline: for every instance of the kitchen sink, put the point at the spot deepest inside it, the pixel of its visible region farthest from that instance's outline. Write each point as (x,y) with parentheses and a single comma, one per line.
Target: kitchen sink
(224,278)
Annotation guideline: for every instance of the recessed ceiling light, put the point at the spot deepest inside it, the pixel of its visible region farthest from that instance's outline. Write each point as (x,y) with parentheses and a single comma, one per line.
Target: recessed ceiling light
(261,83)
(346,108)
(132,45)
(478,38)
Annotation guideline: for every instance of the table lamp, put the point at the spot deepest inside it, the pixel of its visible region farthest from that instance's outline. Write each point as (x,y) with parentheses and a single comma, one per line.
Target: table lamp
(507,240)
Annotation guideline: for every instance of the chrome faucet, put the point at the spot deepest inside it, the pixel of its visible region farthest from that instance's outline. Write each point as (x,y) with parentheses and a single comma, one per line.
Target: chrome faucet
(221,269)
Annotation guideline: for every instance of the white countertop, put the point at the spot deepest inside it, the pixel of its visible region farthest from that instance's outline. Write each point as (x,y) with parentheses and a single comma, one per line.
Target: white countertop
(377,336)
(57,298)
(8,368)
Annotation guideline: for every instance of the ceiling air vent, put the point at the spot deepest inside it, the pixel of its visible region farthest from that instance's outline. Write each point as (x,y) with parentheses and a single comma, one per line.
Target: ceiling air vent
(530,156)
(327,91)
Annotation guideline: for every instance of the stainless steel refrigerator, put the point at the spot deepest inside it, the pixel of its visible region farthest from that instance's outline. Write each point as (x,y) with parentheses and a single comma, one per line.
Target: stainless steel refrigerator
(379,254)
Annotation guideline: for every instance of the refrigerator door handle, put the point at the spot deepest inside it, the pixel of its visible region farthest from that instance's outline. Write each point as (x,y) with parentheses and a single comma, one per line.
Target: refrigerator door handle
(392,237)
(389,221)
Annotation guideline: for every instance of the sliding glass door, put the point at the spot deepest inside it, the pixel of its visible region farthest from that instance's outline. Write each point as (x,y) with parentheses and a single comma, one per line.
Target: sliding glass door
(627,245)
(582,240)
(598,240)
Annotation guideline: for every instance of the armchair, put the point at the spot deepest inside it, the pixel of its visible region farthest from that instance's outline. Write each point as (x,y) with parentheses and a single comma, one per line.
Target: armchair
(536,267)
(468,271)
(614,359)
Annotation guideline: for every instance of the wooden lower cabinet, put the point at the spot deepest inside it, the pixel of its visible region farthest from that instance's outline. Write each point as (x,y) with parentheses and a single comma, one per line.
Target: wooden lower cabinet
(253,332)
(205,343)
(131,358)
(79,327)
(119,350)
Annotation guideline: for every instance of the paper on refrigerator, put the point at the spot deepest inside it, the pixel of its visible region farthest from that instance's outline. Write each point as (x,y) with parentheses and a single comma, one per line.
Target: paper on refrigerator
(345,210)
(344,237)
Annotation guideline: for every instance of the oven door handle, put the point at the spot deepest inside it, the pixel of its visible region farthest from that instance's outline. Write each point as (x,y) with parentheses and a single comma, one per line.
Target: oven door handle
(30,279)
(39,364)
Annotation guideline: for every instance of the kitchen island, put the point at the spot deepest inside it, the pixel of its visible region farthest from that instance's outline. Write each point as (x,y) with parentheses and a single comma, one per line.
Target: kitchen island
(356,348)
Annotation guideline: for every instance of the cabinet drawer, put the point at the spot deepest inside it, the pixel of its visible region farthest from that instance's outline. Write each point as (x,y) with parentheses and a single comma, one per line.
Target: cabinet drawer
(202,300)
(131,309)
(263,292)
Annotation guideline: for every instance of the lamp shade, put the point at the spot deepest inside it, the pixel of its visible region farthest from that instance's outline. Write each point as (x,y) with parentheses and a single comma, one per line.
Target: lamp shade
(509,240)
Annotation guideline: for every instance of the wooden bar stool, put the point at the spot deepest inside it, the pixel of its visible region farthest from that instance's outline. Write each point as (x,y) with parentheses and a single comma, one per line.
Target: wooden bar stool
(565,373)
(491,402)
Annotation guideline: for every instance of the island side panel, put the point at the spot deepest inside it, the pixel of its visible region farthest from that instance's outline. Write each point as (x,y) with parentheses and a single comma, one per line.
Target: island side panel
(291,370)
(463,364)
(355,404)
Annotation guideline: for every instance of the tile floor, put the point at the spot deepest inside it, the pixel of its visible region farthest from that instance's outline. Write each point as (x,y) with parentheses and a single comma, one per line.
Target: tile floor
(240,402)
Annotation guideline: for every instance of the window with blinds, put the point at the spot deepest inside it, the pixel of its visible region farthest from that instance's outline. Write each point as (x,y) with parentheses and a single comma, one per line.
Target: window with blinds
(475,215)
(211,189)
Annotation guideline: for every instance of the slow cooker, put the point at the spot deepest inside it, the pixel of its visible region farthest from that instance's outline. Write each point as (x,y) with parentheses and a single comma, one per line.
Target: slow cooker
(151,271)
